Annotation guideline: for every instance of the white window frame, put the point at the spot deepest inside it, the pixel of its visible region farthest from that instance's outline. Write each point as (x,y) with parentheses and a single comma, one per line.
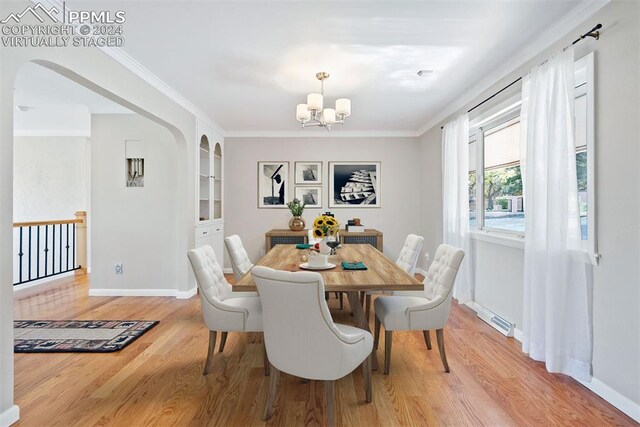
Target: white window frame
(585,69)
(502,118)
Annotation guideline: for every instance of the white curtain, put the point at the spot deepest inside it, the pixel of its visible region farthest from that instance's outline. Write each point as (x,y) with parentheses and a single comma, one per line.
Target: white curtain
(455,199)
(556,318)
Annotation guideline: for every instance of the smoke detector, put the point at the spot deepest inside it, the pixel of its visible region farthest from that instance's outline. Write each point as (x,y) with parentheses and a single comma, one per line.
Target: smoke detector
(423,72)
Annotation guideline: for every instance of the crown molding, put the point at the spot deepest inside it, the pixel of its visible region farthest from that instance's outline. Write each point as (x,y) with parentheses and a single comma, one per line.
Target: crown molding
(551,35)
(145,74)
(322,134)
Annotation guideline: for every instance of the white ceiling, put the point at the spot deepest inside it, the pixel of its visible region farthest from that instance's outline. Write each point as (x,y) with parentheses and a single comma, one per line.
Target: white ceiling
(248,63)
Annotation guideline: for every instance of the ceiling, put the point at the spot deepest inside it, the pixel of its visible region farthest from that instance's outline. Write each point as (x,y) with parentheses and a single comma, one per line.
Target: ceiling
(248,63)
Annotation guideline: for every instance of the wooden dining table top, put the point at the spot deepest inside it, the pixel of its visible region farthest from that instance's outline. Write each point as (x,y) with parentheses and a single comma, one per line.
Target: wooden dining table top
(382,274)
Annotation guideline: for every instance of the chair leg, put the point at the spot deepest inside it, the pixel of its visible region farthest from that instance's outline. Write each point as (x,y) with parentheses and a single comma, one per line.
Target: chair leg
(427,339)
(443,355)
(366,373)
(326,296)
(341,300)
(213,335)
(265,358)
(362,296)
(376,337)
(387,351)
(223,341)
(368,306)
(271,394)
(330,398)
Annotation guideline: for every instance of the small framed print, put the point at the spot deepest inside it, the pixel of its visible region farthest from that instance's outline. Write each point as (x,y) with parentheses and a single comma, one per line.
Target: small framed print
(354,185)
(308,173)
(273,184)
(310,196)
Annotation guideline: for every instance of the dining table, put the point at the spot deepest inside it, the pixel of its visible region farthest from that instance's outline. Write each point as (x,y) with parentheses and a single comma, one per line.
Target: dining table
(381,274)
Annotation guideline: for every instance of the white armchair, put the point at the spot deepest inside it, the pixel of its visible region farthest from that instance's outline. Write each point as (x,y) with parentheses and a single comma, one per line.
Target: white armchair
(301,338)
(240,262)
(222,310)
(407,260)
(429,311)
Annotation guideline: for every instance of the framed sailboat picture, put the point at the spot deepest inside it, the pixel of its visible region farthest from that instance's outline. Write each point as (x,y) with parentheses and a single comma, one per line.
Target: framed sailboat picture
(354,185)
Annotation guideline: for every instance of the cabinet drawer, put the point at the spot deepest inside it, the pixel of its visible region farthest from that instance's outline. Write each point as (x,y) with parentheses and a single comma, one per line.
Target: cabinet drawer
(204,232)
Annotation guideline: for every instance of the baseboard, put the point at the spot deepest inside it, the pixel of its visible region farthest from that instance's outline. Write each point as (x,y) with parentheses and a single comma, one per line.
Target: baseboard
(227,270)
(142,293)
(517,334)
(618,400)
(43,281)
(615,398)
(9,416)
(187,294)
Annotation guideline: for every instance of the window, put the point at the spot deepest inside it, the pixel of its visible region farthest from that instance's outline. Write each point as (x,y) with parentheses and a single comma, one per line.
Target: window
(503,204)
(496,201)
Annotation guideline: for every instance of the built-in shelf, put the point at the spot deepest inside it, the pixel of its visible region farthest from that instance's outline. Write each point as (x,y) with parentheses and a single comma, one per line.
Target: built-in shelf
(204,149)
(217,157)
(204,176)
(217,200)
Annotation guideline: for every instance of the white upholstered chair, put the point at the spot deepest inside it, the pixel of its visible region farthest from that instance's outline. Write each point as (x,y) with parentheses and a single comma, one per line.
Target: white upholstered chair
(222,309)
(240,262)
(301,338)
(407,260)
(429,311)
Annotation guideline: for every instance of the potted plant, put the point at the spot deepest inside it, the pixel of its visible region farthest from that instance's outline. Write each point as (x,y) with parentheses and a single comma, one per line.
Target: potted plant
(296,207)
(326,227)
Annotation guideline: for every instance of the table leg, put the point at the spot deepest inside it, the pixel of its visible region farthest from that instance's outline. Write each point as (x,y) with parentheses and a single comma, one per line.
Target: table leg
(361,320)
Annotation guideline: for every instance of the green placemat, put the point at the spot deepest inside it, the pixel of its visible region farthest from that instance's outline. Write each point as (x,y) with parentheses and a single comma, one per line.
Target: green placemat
(303,246)
(353,265)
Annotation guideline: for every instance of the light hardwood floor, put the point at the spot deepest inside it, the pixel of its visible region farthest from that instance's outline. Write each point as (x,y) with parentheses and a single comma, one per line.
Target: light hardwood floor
(158,380)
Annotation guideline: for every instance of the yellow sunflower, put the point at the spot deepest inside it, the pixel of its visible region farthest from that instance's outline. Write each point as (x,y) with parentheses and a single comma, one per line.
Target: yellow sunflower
(319,221)
(317,232)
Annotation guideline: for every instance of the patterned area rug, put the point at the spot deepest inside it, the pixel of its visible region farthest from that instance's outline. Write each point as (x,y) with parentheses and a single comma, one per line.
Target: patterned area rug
(70,336)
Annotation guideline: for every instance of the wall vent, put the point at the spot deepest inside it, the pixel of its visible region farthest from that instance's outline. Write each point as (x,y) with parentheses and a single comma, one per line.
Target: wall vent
(501,324)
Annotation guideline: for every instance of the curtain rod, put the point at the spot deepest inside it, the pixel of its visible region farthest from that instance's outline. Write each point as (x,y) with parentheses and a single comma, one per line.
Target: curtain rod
(591,33)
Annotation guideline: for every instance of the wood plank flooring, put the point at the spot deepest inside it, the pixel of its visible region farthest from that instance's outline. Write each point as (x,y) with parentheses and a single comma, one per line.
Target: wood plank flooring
(158,380)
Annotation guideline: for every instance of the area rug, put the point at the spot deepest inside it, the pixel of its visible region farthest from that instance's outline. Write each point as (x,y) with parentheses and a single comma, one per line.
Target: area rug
(70,336)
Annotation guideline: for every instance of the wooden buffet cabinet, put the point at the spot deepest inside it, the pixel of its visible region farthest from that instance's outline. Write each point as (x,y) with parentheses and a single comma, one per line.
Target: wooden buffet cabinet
(274,237)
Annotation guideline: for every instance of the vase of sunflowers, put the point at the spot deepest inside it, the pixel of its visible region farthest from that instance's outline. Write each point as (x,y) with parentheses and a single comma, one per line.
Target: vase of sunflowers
(325,227)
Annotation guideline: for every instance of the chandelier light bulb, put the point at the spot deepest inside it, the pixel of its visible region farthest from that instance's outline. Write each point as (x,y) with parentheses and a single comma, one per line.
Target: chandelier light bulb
(314,102)
(329,116)
(302,113)
(343,107)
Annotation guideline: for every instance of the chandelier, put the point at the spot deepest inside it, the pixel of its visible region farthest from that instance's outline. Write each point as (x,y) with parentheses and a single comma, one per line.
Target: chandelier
(313,114)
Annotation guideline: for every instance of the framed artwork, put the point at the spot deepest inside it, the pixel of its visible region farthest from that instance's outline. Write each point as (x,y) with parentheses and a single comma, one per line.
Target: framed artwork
(273,188)
(308,172)
(354,185)
(311,196)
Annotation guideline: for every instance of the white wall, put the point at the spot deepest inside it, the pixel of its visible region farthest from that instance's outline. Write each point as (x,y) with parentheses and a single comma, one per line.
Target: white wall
(137,227)
(616,290)
(50,177)
(53,120)
(398,216)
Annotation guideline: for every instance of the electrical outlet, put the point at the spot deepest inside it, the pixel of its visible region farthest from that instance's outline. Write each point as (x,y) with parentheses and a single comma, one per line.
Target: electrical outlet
(119,269)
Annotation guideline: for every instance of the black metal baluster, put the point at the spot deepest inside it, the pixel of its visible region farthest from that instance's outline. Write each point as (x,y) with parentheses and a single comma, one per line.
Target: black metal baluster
(20,253)
(67,247)
(29,255)
(73,242)
(60,270)
(53,247)
(46,249)
(38,252)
